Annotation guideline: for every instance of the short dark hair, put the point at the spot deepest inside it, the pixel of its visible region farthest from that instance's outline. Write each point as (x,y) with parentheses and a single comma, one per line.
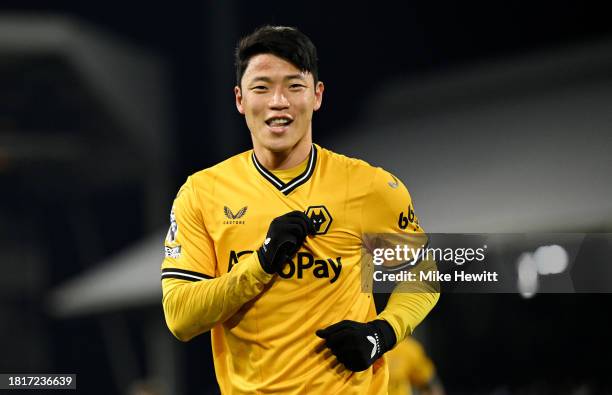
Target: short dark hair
(285,42)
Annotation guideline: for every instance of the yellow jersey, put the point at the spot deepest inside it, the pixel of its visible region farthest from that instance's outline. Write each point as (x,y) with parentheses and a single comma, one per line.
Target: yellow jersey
(263,326)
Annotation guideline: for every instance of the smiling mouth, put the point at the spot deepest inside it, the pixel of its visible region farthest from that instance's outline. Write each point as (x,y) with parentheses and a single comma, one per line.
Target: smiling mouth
(279,122)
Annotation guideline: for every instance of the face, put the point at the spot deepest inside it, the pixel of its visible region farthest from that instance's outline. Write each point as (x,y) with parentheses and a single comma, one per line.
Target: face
(278,100)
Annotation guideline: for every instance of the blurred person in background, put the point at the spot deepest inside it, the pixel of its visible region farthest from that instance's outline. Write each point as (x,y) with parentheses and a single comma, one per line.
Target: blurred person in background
(411,370)
(264,248)
(145,387)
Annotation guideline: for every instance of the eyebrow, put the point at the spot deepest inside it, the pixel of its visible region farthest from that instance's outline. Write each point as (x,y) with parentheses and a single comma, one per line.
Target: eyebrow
(268,79)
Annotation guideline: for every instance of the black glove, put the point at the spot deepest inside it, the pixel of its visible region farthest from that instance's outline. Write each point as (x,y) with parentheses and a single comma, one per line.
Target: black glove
(357,345)
(285,237)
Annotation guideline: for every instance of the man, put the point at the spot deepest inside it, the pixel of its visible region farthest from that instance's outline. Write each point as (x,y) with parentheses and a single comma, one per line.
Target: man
(264,248)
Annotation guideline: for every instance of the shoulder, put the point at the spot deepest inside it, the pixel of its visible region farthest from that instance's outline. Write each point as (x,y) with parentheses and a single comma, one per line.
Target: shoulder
(373,177)
(357,169)
(205,178)
(337,159)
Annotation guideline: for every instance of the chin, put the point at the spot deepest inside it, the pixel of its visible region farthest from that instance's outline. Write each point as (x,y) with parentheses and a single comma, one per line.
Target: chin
(278,146)
(281,144)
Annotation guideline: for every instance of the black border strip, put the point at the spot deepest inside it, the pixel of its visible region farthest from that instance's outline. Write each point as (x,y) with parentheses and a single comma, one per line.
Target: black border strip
(184,274)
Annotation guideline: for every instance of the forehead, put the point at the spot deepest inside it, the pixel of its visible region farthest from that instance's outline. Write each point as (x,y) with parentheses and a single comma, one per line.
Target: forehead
(268,65)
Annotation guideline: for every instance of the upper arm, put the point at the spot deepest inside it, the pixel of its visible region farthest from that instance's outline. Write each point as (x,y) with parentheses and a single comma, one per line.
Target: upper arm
(188,248)
(388,215)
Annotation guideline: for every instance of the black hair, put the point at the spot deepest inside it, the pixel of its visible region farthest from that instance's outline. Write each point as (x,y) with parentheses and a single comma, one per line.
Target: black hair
(287,43)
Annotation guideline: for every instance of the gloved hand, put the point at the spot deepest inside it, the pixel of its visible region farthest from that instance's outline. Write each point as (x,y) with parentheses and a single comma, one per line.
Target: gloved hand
(286,235)
(356,344)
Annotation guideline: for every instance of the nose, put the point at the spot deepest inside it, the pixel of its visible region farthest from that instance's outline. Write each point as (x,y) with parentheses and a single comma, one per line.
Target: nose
(279,100)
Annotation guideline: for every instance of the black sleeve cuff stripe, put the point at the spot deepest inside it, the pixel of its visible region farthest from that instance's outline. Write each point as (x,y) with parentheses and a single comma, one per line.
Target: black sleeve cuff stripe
(180,277)
(184,274)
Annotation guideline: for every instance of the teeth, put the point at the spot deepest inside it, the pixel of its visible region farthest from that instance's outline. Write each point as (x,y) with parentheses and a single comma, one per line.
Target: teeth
(279,121)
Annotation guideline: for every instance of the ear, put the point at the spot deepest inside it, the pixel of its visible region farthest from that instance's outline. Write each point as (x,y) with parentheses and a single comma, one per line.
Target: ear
(319,95)
(238,94)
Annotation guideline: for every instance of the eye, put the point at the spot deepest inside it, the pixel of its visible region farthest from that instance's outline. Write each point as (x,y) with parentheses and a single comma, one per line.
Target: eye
(297,86)
(259,88)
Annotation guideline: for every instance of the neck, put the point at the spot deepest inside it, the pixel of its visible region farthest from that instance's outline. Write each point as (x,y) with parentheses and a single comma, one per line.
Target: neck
(281,160)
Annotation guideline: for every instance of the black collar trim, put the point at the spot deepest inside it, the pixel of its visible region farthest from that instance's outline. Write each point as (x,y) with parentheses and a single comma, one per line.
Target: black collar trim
(296,182)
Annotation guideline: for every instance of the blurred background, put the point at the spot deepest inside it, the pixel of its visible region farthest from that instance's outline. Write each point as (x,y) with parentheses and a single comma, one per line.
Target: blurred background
(496,115)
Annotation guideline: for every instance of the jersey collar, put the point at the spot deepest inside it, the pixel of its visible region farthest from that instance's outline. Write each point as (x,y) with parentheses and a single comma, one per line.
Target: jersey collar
(286,188)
